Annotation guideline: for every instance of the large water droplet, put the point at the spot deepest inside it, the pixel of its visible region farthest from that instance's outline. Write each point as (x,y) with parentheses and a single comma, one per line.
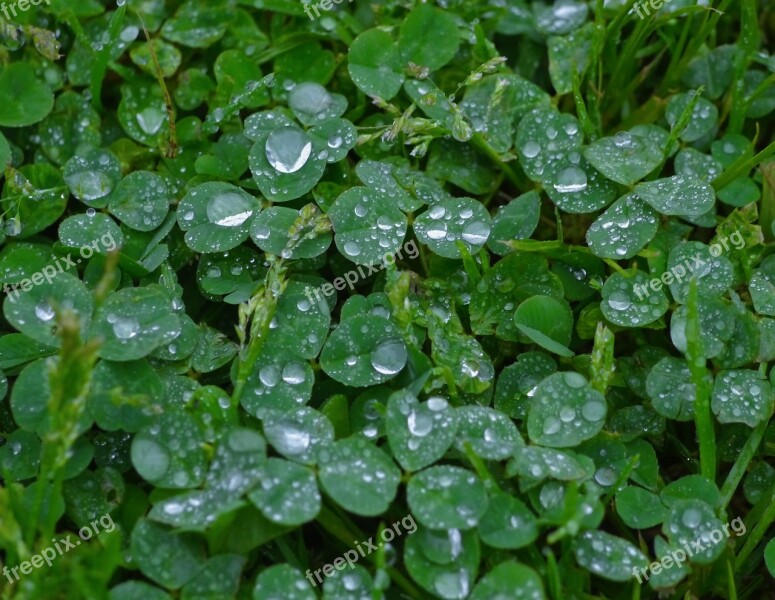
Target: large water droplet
(571,179)
(150,119)
(151,459)
(229,209)
(288,149)
(619,301)
(309,98)
(125,328)
(419,424)
(476,233)
(292,441)
(531,149)
(44,312)
(389,357)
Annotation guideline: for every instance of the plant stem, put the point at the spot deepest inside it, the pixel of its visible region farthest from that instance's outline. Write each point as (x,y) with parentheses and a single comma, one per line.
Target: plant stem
(758,532)
(741,464)
(483,145)
(703,418)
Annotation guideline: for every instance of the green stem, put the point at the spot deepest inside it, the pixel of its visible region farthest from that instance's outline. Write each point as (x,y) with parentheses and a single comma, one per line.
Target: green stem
(758,532)
(483,145)
(703,418)
(741,464)
(337,528)
(742,166)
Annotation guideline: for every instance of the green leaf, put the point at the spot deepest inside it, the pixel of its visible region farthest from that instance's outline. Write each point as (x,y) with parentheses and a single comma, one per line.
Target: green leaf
(299,434)
(169,454)
(282,581)
(670,389)
(678,195)
(565,411)
(92,175)
(428,37)
(288,493)
(443,563)
(453,221)
(608,556)
(141,201)
(374,63)
(137,590)
(336,136)
(124,395)
(508,523)
(33,312)
(691,487)
(216,216)
(546,140)
(624,158)
(419,434)
(489,433)
(287,163)
(358,476)
(165,557)
(712,270)
(695,520)
(769,556)
(353,584)
(446,497)
(169,58)
(623,229)
(629,302)
(220,575)
(639,508)
(367,224)
(742,397)
(197,23)
(703,119)
(515,221)
(24,99)
(509,579)
(20,457)
(716,326)
(133,322)
(546,321)
(363,351)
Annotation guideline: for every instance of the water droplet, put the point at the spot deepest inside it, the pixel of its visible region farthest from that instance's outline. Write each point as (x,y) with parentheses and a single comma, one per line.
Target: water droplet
(419,424)
(551,426)
(476,233)
(288,149)
(125,328)
(352,248)
(619,301)
(293,373)
(269,375)
(691,517)
(571,179)
(229,209)
(44,312)
(593,411)
(531,149)
(389,357)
